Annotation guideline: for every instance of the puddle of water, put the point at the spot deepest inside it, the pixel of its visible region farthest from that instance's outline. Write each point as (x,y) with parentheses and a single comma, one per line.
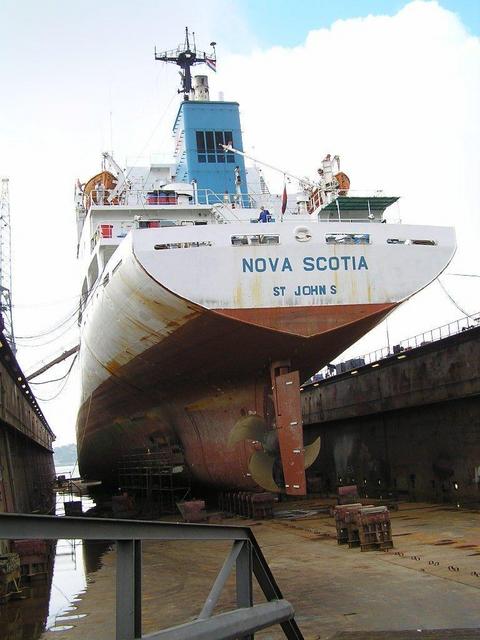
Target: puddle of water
(63,627)
(75,617)
(51,602)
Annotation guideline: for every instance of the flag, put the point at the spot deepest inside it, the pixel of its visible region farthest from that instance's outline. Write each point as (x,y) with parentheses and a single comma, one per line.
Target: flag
(211,63)
(284,199)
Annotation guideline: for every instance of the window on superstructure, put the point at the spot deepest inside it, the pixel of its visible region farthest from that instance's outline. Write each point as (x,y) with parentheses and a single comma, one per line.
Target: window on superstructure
(209,147)
(347,238)
(427,243)
(200,142)
(183,245)
(229,140)
(255,240)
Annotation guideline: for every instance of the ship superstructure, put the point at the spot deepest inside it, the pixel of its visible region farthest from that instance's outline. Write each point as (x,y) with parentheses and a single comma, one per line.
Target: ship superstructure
(199,322)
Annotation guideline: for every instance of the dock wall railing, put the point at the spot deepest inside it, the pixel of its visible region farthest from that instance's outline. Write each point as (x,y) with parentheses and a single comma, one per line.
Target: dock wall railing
(245,556)
(398,350)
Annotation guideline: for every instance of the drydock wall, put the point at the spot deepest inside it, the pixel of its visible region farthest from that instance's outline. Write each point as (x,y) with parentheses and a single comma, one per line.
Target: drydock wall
(26,458)
(410,425)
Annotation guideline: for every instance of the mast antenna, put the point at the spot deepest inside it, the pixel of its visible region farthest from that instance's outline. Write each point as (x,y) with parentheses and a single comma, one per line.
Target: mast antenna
(185,57)
(6,265)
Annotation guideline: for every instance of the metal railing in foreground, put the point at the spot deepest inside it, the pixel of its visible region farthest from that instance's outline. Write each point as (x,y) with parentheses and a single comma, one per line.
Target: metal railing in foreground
(245,555)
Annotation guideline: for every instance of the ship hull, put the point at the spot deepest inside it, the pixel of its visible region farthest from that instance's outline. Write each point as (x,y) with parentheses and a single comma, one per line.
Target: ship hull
(177,344)
(194,391)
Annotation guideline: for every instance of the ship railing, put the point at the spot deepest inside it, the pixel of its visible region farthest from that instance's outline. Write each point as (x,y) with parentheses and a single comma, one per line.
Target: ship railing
(158,197)
(401,349)
(298,207)
(245,557)
(227,205)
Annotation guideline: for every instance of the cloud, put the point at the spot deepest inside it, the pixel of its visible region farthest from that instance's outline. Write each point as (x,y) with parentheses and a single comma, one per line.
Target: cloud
(64,68)
(398,98)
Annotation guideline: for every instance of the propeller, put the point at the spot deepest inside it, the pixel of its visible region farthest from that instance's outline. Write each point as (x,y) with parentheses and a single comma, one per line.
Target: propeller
(247,428)
(264,465)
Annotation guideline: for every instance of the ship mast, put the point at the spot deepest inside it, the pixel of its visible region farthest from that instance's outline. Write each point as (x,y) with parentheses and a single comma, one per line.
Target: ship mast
(185,56)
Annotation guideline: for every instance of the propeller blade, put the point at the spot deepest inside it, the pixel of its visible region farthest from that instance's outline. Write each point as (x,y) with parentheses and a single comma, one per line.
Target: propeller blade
(260,466)
(247,428)
(311,452)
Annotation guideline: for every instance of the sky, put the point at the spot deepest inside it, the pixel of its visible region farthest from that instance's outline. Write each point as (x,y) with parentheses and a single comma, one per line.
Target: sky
(391,86)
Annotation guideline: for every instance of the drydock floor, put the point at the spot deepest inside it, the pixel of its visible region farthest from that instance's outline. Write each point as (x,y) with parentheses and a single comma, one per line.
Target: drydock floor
(430,580)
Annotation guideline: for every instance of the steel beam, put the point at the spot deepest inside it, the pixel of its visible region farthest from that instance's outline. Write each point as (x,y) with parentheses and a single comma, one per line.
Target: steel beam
(244,579)
(22,526)
(231,625)
(137,559)
(270,588)
(128,600)
(220,581)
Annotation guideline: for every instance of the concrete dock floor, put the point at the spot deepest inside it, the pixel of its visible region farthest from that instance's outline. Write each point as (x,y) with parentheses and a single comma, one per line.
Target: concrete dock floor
(430,580)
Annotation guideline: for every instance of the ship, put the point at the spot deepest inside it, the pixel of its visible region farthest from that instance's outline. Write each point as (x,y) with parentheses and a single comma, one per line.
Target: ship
(206,301)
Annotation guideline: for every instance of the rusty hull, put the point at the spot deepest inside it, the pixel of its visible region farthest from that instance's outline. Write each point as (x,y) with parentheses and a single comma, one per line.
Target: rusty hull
(194,386)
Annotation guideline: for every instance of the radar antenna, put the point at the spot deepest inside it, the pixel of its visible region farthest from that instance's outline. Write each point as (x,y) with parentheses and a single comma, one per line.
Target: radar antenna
(186,56)
(6,266)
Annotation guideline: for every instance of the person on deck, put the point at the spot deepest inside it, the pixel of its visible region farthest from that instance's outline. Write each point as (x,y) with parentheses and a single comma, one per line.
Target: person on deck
(264,215)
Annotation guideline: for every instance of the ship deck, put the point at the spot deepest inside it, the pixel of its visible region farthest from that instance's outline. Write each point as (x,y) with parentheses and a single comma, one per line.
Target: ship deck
(430,580)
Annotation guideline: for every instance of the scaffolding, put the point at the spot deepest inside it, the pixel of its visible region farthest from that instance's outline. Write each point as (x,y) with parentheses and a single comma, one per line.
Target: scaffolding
(156,477)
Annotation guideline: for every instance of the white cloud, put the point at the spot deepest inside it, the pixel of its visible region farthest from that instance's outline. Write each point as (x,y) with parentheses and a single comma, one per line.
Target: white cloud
(398,98)
(64,67)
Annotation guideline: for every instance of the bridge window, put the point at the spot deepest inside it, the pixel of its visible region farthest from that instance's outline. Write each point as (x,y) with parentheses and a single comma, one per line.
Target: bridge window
(347,238)
(209,149)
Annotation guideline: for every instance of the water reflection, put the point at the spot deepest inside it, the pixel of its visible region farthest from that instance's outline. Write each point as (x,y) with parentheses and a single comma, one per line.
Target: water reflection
(49,602)
(26,619)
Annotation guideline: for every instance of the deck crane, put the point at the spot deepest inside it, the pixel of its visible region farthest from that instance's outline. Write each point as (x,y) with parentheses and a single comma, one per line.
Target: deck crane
(110,164)
(305,183)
